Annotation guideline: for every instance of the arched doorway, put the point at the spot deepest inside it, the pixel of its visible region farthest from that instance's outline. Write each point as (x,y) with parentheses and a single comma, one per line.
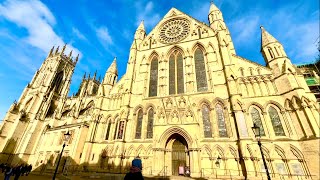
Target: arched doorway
(179,153)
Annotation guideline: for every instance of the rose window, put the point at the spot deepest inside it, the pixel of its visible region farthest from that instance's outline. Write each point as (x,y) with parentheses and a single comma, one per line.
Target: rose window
(174,30)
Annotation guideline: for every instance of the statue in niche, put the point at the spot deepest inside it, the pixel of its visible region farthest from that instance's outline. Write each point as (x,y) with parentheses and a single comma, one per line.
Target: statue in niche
(175,117)
(189,116)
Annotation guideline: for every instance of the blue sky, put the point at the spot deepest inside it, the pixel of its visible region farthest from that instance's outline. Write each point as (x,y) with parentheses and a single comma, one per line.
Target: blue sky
(101,29)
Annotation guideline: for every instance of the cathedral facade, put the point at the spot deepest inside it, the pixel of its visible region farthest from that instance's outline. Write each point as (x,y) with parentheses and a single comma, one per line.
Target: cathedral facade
(186,99)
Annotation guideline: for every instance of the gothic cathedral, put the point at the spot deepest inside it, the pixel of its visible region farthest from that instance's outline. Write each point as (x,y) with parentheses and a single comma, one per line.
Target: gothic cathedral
(186,99)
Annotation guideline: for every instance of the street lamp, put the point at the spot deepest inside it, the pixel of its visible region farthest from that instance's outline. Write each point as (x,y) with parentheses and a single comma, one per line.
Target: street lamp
(66,138)
(256,131)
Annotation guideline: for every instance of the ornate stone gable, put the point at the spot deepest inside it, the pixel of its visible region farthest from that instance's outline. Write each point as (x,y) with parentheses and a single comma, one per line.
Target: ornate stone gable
(175,27)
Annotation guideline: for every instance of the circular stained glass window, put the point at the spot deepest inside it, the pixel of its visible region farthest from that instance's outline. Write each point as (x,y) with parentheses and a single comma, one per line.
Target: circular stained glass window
(174,30)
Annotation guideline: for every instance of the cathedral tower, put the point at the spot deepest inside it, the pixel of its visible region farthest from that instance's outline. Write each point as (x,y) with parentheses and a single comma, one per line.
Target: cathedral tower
(42,98)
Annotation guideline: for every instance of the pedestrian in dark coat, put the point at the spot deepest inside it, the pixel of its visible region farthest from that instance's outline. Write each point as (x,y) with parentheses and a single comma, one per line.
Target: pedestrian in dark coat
(17,172)
(135,171)
(8,173)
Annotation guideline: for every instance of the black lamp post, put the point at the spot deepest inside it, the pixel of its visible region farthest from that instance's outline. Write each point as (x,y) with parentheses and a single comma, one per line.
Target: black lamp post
(66,138)
(256,131)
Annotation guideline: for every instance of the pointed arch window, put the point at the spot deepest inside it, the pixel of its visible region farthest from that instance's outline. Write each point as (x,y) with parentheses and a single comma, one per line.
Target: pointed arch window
(206,121)
(256,118)
(120,129)
(176,75)
(153,80)
(57,82)
(270,52)
(221,121)
(200,68)
(150,123)
(108,130)
(139,124)
(276,122)
(115,130)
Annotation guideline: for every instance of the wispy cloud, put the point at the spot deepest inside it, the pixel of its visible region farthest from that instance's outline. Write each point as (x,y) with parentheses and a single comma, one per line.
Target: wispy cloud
(104,36)
(37,19)
(245,29)
(147,14)
(78,34)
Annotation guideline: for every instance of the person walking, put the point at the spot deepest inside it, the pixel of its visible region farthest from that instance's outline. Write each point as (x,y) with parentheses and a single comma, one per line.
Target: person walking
(8,173)
(135,170)
(18,171)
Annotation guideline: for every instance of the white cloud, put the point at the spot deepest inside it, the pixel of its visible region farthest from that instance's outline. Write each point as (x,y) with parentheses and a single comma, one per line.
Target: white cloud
(245,28)
(37,19)
(147,14)
(78,34)
(103,35)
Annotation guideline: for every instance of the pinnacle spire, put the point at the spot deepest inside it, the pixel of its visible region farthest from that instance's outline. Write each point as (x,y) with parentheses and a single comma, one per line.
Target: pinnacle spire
(141,26)
(213,7)
(266,38)
(113,67)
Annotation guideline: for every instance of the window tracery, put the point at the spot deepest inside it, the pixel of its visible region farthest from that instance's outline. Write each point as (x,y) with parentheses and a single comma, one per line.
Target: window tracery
(221,121)
(206,121)
(153,81)
(139,124)
(200,71)
(150,123)
(176,75)
(276,122)
(174,30)
(108,130)
(120,129)
(256,118)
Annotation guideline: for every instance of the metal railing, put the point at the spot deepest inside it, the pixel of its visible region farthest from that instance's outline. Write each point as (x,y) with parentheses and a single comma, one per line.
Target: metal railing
(163,171)
(232,173)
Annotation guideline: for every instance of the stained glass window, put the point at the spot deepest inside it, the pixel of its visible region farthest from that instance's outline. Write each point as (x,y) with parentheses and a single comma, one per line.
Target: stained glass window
(201,76)
(221,121)
(108,131)
(276,122)
(115,130)
(206,121)
(176,75)
(172,75)
(139,124)
(153,84)
(150,123)
(256,118)
(121,129)
(180,75)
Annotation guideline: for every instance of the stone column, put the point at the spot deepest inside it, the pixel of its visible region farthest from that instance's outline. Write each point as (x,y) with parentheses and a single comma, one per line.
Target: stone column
(195,169)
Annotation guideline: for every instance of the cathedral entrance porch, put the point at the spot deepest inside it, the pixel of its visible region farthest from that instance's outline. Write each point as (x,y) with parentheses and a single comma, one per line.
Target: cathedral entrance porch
(176,148)
(179,154)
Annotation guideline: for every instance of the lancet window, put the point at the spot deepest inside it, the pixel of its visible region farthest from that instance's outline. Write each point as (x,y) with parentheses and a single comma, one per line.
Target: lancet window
(150,123)
(256,118)
(153,81)
(200,68)
(120,129)
(108,130)
(139,124)
(57,82)
(276,122)
(176,75)
(206,121)
(221,121)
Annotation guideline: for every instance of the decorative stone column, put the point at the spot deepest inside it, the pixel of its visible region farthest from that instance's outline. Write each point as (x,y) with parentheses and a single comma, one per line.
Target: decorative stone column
(194,156)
